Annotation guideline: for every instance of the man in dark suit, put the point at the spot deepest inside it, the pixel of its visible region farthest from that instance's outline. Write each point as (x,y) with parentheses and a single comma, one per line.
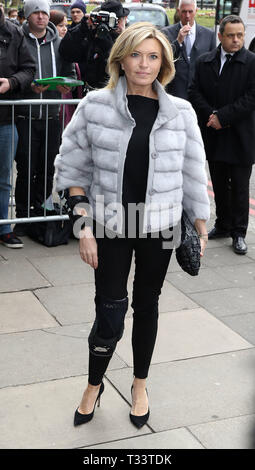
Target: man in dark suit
(189,40)
(223,95)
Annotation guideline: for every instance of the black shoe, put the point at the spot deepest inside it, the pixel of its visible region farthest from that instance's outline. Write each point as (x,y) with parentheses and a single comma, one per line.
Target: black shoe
(20,229)
(216,233)
(139,421)
(11,241)
(239,246)
(80,418)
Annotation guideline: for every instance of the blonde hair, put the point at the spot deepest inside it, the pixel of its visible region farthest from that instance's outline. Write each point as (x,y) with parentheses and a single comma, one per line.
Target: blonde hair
(127,42)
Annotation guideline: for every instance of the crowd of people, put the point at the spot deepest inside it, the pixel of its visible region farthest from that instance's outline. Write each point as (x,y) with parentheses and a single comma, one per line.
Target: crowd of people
(155,105)
(50,47)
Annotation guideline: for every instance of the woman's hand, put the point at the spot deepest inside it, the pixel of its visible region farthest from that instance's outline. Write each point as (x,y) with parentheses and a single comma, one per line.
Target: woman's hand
(203,235)
(88,244)
(203,243)
(88,247)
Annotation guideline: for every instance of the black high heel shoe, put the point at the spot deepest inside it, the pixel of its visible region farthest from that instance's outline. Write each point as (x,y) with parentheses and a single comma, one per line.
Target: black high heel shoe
(80,418)
(139,421)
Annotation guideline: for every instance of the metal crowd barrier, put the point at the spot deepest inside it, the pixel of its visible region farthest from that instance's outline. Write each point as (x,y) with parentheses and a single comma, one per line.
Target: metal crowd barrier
(46,103)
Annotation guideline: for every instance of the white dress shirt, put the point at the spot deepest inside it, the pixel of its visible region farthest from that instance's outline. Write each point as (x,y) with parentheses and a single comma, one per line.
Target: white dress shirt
(223,58)
(192,33)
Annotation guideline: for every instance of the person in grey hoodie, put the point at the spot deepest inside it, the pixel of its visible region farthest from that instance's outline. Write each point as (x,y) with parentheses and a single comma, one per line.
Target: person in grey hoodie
(43,42)
(130,144)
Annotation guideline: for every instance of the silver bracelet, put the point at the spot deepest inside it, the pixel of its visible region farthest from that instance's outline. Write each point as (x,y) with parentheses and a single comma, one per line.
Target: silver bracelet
(204,236)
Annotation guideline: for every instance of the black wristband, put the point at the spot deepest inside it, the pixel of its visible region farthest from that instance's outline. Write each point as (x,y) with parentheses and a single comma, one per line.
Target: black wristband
(73,200)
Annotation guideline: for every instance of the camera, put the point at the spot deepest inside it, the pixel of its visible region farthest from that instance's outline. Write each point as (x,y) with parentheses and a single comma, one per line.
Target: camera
(104,17)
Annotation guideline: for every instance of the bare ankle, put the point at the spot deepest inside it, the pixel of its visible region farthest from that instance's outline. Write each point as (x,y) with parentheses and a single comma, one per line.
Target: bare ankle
(93,388)
(139,383)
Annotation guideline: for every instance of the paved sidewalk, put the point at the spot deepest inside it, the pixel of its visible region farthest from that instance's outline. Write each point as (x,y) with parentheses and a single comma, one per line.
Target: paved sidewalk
(202,378)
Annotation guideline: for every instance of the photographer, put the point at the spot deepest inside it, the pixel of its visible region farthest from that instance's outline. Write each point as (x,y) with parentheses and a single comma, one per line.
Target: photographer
(91,41)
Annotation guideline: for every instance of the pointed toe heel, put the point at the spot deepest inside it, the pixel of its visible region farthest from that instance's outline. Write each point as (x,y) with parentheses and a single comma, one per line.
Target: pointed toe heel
(80,418)
(139,421)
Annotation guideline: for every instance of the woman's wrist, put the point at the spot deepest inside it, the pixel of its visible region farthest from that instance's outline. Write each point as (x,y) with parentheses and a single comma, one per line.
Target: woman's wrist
(204,236)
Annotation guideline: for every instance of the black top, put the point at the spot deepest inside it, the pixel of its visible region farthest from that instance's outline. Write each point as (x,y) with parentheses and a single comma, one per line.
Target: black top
(144,111)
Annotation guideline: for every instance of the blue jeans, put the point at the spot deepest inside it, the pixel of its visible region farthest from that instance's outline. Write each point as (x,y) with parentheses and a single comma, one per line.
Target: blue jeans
(6,160)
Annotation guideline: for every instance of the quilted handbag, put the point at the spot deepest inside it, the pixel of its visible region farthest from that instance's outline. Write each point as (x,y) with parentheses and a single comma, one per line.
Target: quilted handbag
(188,253)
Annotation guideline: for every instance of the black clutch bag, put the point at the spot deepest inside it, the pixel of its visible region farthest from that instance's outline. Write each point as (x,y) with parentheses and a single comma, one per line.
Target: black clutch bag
(188,253)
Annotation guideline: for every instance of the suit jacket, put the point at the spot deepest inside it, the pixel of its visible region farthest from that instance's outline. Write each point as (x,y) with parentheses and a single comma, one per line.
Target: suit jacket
(232,95)
(204,42)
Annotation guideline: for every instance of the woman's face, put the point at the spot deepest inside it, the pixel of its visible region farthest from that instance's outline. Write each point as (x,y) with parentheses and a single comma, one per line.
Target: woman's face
(142,66)
(62,27)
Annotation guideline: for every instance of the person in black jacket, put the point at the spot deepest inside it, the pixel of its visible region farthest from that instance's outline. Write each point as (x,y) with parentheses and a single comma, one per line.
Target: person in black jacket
(78,10)
(223,95)
(17,69)
(90,46)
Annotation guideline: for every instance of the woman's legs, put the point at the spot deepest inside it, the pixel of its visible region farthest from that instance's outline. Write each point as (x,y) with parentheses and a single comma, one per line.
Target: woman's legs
(114,261)
(151,267)
(111,305)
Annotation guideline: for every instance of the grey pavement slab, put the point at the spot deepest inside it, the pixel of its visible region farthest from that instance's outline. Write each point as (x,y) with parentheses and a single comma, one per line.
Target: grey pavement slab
(251,251)
(175,439)
(185,334)
(173,265)
(33,249)
(232,433)
(75,304)
(223,256)
(41,416)
(17,276)
(243,324)
(196,391)
(225,302)
(70,305)
(207,280)
(239,275)
(171,299)
(250,236)
(64,270)
(218,242)
(39,355)
(21,311)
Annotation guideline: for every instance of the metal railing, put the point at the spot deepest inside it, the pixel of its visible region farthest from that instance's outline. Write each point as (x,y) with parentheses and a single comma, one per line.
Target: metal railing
(12,219)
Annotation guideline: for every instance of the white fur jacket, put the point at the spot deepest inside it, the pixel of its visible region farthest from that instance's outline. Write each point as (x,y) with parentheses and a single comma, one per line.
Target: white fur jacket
(93,151)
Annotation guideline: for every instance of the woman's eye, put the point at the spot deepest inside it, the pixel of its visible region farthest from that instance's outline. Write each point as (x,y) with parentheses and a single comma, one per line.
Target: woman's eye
(154,56)
(134,54)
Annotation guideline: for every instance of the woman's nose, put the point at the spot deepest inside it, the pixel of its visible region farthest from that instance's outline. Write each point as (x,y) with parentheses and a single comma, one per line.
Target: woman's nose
(144,61)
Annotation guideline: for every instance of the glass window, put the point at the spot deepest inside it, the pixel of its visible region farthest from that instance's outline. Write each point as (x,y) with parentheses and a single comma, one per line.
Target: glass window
(227,7)
(153,16)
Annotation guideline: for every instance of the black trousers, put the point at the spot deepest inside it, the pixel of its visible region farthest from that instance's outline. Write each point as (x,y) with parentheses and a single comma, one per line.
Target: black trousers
(111,276)
(231,192)
(37,174)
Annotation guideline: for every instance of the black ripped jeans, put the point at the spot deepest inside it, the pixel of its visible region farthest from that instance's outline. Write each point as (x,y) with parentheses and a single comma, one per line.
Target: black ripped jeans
(111,276)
